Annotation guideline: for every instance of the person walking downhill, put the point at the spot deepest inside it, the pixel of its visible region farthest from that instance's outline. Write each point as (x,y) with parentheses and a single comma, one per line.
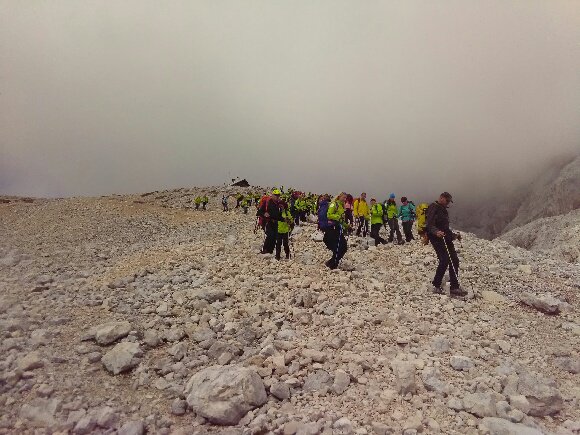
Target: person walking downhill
(225,202)
(392,212)
(376,222)
(334,238)
(407,215)
(197,202)
(270,212)
(204,201)
(441,237)
(245,204)
(361,214)
(422,222)
(285,225)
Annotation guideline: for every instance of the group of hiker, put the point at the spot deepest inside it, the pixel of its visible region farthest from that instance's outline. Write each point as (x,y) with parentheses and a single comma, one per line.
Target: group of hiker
(201,200)
(279,212)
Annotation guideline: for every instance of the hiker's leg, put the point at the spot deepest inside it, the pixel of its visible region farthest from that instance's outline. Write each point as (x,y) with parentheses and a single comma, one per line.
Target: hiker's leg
(285,238)
(439,248)
(279,238)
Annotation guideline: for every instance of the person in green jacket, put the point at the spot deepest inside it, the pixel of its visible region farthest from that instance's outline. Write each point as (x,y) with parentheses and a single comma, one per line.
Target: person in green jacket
(334,236)
(197,202)
(204,201)
(392,212)
(284,227)
(245,203)
(376,222)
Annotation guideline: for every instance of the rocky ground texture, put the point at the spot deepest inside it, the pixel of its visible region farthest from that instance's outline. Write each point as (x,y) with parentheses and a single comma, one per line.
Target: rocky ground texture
(133,314)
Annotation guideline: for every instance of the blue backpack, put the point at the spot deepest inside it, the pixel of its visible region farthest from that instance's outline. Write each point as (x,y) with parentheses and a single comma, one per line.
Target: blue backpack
(322,218)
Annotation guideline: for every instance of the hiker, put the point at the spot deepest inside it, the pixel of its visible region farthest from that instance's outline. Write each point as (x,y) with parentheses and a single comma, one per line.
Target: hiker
(323,203)
(348,213)
(270,212)
(225,202)
(204,201)
(407,215)
(245,203)
(376,222)
(334,236)
(422,222)
(239,198)
(197,202)
(392,212)
(300,209)
(441,237)
(285,225)
(361,214)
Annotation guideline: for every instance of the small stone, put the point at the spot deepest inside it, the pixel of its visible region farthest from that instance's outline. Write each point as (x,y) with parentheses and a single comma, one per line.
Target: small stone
(404,376)
(108,333)
(32,361)
(123,357)
(343,426)
(135,427)
(461,363)
(178,407)
(280,390)
(341,381)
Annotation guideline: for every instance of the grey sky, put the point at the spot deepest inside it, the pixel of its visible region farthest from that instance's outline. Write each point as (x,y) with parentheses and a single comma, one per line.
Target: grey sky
(406,96)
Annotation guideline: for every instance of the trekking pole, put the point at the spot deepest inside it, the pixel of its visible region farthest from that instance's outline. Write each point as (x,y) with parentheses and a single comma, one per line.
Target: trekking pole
(451,261)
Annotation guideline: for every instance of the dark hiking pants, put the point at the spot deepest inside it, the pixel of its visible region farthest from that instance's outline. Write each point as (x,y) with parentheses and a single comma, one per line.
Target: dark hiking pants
(394,226)
(336,242)
(363,225)
(375,229)
(282,239)
(444,261)
(408,230)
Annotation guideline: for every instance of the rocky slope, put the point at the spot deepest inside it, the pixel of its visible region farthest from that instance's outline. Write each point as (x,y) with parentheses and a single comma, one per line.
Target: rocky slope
(557,236)
(127,314)
(555,191)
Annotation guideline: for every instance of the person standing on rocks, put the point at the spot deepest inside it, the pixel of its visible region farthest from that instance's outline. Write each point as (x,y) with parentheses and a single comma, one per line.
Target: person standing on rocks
(334,236)
(392,212)
(197,202)
(225,202)
(270,212)
(285,225)
(204,201)
(441,237)
(407,215)
(376,222)
(361,214)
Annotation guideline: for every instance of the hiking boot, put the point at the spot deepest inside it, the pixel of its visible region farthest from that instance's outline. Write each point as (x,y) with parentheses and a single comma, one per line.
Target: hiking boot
(437,290)
(457,292)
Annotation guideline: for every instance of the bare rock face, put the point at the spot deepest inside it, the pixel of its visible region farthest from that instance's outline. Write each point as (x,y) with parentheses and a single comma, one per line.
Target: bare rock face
(224,394)
(123,357)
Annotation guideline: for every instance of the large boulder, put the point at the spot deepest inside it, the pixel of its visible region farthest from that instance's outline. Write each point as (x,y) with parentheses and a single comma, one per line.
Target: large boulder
(224,394)
(542,394)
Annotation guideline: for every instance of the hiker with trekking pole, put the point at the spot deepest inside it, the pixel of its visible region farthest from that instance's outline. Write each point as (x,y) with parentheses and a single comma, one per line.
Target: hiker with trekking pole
(269,211)
(285,227)
(441,237)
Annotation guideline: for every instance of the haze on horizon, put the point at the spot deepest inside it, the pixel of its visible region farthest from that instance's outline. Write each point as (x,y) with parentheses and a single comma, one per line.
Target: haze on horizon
(410,97)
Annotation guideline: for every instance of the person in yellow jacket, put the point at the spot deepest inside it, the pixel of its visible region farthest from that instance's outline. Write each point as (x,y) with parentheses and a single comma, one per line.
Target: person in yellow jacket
(197,202)
(334,236)
(361,214)
(376,222)
(284,227)
(422,222)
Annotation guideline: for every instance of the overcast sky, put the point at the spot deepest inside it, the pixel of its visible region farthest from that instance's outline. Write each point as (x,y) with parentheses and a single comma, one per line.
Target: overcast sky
(413,97)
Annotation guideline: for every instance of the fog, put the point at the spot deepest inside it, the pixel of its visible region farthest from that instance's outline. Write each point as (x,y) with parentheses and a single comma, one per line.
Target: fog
(411,97)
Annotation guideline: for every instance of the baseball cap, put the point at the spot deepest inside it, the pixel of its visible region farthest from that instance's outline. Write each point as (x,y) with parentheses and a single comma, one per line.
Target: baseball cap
(448,196)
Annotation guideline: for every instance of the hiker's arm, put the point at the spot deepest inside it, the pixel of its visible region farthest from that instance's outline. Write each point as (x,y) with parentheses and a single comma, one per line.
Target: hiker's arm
(431,228)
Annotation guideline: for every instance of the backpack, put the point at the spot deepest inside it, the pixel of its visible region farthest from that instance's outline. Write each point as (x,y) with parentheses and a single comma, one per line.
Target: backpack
(263,202)
(323,223)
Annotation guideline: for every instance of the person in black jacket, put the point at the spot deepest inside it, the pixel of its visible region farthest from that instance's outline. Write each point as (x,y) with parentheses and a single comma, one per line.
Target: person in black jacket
(441,235)
(270,211)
